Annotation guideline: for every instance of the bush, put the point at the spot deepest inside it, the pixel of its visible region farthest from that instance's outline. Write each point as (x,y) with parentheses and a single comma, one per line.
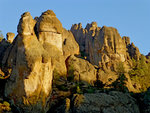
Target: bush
(140,73)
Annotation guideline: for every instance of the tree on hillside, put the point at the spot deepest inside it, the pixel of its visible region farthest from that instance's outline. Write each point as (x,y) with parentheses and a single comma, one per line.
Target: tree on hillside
(140,73)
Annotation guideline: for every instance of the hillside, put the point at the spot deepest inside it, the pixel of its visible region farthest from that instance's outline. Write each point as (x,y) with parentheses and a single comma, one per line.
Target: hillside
(46,68)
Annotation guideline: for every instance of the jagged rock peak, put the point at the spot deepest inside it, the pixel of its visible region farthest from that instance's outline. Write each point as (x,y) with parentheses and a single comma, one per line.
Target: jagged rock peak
(108,30)
(49,12)
(76,26)
(25,14)
(10,37)
(93,25)
(126,40)
(26,24)
(48,22)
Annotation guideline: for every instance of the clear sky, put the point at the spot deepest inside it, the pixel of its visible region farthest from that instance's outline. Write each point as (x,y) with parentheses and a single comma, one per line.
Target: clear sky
(130,17)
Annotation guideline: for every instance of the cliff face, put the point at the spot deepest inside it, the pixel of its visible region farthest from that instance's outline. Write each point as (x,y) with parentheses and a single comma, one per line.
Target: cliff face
(38,51)
(46,64)
(104,46)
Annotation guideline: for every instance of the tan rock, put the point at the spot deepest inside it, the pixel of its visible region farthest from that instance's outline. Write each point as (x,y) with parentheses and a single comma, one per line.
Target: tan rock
(10,37)
(29,85)
(134,51)
(81,69)
(101,45)
(112,102)
(26,24)
(48,22)
(70,46)
(126,40)
(49,31)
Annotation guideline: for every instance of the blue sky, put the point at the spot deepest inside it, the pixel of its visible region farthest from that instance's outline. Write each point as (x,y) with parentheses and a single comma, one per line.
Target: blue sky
(130,17)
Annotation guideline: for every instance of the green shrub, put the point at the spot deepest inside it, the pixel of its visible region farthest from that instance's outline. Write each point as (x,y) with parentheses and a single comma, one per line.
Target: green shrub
(140,73)
(70,76)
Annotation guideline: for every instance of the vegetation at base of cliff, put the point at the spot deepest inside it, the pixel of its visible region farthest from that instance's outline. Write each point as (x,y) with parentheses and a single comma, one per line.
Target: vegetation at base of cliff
(4,106)
(140,73)
(120,83)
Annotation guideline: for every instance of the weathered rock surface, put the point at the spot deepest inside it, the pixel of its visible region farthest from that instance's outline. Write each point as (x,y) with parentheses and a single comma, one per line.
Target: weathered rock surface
(102,46)
(43,49)
(10,37)
(26,24)
(70,46)
(49,32)
(113,102)
(133,51)
(29,85)
(37,53)
(105,48)
(81,69)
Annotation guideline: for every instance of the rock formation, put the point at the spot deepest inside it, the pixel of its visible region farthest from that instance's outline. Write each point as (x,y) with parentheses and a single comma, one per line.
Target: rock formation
(113,102)
(10,37)
(100,45)
(81,69)
(43,50)
(29,85)
(39,50)
(105,48)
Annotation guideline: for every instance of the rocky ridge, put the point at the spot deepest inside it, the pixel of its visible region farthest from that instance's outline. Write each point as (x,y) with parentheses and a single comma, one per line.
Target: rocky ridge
(46,64)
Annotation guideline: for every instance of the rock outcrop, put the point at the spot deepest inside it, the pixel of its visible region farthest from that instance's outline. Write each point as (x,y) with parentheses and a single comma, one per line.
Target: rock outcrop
(10,37)
(70,46)
(37,53)
(102,46)
(30,83)
(113,102)
(81,70)
(44,62)
(132,50)
(57,41)
(105,48)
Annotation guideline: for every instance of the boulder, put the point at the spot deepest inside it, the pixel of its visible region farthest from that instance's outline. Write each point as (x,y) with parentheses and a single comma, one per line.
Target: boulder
(81,70)
(10,37)
(113,102)
(30,83)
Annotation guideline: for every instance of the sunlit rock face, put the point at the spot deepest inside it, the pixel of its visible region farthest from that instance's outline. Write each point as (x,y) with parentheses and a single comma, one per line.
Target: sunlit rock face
(30,81)
(10,37)
(104,46)
(70,46)
(49,31)
(81,69)
(38,51)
